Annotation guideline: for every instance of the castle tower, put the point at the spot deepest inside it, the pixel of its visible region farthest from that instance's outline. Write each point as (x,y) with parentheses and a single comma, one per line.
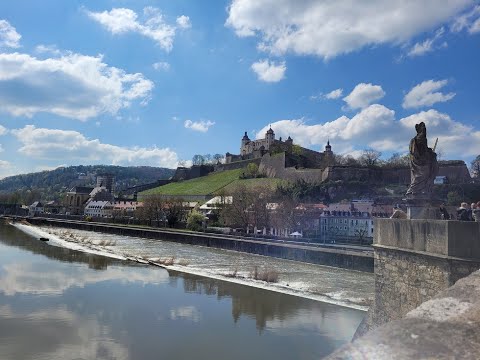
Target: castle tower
(269,137)
(245,141)
(328,149)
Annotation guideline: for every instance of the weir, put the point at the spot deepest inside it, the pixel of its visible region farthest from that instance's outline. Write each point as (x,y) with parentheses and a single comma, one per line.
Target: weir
(336,257)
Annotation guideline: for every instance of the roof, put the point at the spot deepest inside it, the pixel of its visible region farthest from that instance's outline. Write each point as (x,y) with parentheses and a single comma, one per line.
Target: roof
(81,189)
(37,204)
(216,200)
(101,204)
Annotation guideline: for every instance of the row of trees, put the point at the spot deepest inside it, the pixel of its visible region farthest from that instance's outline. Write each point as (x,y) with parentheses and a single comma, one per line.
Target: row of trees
(260,207)
(166,211)
(370,157)
(207,159)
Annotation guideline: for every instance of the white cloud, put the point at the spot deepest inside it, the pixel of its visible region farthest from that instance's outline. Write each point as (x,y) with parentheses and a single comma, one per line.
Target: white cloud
(269,71)
(8,35)
(363,95)
(469,21)
(49,49)
(161,65)
(153,26)
(376,127)
(455,138)
(74,86)
(3,130)
(428,45)
(334,94)
(201,126)
(183,22)
(72,146)
(331,28)
(425,94)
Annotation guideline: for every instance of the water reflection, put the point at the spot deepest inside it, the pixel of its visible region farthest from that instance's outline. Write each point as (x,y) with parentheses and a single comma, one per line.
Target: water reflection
(269,309)
(54,305)
(9,235)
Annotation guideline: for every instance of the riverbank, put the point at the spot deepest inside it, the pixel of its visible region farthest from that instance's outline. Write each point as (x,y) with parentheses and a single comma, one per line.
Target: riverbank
(335,257)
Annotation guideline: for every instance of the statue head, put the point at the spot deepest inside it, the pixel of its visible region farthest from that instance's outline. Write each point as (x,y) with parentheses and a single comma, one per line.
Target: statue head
(421,128)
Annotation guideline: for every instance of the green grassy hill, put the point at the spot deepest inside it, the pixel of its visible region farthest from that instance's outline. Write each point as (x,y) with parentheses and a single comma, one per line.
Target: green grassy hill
(209,184)
(200,186)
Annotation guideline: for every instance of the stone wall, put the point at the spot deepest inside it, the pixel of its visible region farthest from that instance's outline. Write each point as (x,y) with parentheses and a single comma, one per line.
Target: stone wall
(237,164)
(456,172)
(193,172)
(274,166)
(445,327)
(416,259)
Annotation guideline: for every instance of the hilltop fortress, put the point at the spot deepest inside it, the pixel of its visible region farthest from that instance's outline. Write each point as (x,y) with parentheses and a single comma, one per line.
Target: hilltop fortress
(277,158)
(256,149)
(285,160)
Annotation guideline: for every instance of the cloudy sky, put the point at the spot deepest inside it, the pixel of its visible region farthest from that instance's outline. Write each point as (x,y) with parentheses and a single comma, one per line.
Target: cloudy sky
(136,82)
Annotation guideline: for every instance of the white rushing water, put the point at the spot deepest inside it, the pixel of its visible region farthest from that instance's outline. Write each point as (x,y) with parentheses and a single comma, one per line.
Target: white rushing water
(328,284)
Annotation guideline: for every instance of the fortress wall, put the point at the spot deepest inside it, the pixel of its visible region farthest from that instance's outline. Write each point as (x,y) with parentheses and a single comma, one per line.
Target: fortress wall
(237,164)
(193,172)
(273,166)
(315,158)
(396,176)
(457,173)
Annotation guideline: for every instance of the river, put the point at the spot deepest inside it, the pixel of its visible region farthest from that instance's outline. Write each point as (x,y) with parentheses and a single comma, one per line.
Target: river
(61,303)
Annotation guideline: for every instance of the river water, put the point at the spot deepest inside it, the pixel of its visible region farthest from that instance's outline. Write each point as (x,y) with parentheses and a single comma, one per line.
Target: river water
(60,303)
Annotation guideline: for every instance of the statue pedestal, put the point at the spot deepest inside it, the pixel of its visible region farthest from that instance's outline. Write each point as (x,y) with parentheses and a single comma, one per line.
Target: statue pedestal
(423,212)
(424,209)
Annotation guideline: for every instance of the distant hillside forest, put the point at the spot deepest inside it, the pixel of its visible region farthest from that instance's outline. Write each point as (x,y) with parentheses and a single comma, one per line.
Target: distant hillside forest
(53,184)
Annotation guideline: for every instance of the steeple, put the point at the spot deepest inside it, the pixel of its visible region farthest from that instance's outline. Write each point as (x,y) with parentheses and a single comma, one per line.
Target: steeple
(328,148)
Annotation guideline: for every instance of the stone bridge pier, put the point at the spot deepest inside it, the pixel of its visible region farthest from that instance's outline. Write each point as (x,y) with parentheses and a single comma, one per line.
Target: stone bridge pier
(415,260)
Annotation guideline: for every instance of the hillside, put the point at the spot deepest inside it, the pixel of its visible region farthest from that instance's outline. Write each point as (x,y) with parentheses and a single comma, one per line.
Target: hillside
(53,184)
(210,184)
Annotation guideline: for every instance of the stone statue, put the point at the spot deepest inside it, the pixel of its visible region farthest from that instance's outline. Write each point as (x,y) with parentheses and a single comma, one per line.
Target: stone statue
(423,165)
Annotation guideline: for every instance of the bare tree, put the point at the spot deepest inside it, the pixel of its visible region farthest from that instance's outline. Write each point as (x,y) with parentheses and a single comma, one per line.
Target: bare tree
(370,157)
(174,211)
(198,159)
(398,160)
(154,208)
(219,158)
(475,167)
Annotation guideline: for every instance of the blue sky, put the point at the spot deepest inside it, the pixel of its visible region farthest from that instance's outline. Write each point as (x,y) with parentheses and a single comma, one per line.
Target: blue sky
(132,82)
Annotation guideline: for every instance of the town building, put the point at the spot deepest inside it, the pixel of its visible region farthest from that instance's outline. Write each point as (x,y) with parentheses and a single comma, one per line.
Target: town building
(76,199)
(35,209)
(98,209)
(351,222)
(126,208)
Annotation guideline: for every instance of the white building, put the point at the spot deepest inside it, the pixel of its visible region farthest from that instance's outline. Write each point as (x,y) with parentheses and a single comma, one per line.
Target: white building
(215,204)
(351,221)
(99,208)
(35,209)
